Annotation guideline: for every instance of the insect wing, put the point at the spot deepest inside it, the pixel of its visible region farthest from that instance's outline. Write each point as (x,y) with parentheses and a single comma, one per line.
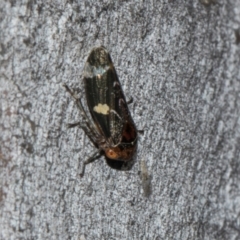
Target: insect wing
(104,95)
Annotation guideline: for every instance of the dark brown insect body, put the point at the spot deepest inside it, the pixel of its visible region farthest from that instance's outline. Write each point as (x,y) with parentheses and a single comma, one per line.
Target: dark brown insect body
(111,128)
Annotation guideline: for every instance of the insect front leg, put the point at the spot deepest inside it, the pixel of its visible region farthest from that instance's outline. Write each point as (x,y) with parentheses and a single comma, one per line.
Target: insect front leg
(70,91)
(91,128)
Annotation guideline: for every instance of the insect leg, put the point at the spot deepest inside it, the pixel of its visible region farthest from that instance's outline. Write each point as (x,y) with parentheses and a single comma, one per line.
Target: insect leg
(72,125)
(91,159)
(85,129)
(130,101)
(89,124)
(141,131)
(78,102)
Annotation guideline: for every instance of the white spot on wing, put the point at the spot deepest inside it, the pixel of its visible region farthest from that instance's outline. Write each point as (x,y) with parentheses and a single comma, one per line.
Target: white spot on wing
(102,108)
(91,71)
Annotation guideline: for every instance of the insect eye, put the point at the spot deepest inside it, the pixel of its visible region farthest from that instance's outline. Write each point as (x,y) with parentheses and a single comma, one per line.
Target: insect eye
(111,154)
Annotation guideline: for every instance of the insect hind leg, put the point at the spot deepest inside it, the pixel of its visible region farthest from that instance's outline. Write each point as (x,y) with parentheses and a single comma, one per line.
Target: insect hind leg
(130,101)
(91,159)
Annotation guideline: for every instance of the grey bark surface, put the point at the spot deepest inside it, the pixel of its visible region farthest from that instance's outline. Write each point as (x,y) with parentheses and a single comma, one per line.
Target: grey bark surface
(179,60)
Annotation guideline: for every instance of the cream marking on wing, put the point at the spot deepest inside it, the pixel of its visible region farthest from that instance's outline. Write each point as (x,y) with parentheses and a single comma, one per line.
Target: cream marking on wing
(102,108)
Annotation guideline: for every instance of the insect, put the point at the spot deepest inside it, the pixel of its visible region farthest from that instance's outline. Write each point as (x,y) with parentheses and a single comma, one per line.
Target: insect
(109,125)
